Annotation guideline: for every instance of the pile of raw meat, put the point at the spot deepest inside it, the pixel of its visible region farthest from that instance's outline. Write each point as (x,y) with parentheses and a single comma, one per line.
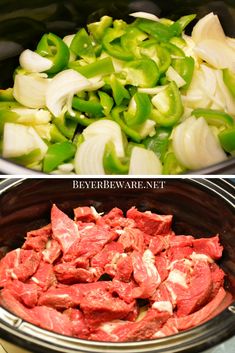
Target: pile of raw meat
(113,277)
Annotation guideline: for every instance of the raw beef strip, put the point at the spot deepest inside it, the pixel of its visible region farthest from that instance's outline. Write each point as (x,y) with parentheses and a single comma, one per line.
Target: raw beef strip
(99,306)
(116,219)
(79,327)
(37,239)
(52,251)
(132,239)
(61,298)
(149,222)
(67,273)
(158,243)
(24,292)
(145,272)
(86,214)
(161,263)
(181,241)
(123,289)
(192,320)
(208,246)
(177,253)
(18,264)
(192,290)
(124,331)
(217,275)
(91,242)
(107,254)
(124,268)
(64,229)
(44,277)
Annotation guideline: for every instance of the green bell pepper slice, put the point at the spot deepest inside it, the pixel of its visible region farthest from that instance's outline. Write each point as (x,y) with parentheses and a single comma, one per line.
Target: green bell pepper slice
(6,95)
(139,109)
(131,133)
(106,101)
(229,80)
(169,106)
(80,119)
(160,55)
(214,117)
(90,107)
(161,32)
(159,143)
(113,49)
(142,73)
(174,51)
(120,93)
(184,21)
(113,164)
(66,125)
(101,67)
(57,154)
(82,46)
(185,68)
(131,39)
(171,165)
(7,105)
(53,48)
(97,29)
(56,135)
(227,139)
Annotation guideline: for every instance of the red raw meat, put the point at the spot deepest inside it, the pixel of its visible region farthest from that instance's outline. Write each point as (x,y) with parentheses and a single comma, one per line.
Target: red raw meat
(149,222)
(161,263)
(44,277)
(27,293)
(64,229)
(86,214)
(61,298)
(107,254)
(52,251)
(124,268)
(37,239)
(217,276)
(123,290)
(7,265)
(177,253)
(116,219)
(79,327)
(67,273)
(132,239)
(99,306)
(208,246)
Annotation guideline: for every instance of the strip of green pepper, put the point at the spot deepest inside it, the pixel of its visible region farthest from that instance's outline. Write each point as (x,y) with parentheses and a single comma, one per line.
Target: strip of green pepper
(131,39)
(159,143)
(66,125)
(56,135)
(227,139)
(80,119)
(112,164)
(214,117)
(99,67)
(174,51)
(169,106)
(82,46)
(171,165)
(97,29)
(115,50)
(89,107)
(160,31)
(115,113)
(6,95)
(139,109)
(53,48)
(185,68)
(184,21)
(229,80)
(57,154)
(157,53)
(120,93)
(106,101)
(142,73)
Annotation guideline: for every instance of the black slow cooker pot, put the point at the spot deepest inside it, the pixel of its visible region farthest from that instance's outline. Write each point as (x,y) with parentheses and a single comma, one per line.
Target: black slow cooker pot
(200,207)
(22,24)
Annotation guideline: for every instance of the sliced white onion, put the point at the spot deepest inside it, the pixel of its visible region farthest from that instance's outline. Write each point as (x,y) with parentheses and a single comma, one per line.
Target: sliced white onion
(161,101)
(147,128)
(20,139)
(43,130)
(89,156)
(152,91)
(216,53)
(63,85)
(68,39)
(172,75)
(33,116)
(208,27)
(33,62)
(145,15)
(144,162)
(224,94)
(106,128)
(195,145)
(30,90)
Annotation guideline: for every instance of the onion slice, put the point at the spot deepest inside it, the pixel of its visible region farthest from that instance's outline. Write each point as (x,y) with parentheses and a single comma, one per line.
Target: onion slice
(33,62)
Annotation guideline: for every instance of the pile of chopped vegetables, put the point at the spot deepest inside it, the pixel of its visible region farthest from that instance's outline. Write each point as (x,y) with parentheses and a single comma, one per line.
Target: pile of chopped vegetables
(119,98)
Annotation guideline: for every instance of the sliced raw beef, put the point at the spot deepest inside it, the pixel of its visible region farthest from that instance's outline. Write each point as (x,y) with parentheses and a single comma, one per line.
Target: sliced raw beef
(64,229)
(86,214)
(67,273)
(79,327)
(149,222)
(26,293)
(217,276)
(124,268)
(61,298)
(107,254)
(132,239)
(37,239)
(123,290)
(208,246)
(116,219)
(52,251)
(44,277)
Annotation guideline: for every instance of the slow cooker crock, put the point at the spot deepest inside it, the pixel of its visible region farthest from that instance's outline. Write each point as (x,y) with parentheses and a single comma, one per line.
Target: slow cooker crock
(200,207)
(22,23)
